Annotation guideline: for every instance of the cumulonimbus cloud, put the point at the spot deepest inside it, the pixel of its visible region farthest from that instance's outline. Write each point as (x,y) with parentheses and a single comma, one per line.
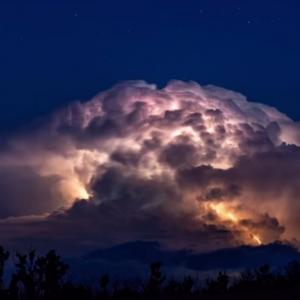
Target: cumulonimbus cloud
(190,166)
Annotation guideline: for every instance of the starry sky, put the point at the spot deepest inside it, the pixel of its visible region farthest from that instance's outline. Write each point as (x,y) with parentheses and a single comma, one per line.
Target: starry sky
(53,52)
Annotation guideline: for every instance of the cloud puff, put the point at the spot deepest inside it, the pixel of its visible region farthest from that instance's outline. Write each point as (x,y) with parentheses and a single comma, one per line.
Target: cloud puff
(190,166)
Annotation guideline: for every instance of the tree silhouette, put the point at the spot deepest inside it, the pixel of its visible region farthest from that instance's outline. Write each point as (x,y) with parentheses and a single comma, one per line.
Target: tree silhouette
(4,255)
(293,272)
(42,278)
(156,280)
(50,271)
(104,281)
(37,277)
(187,285)
(218,285)
(172,289)
(23,281)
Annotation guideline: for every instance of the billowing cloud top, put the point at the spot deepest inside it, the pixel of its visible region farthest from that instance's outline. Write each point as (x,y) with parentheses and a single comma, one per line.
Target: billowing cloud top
(190,166)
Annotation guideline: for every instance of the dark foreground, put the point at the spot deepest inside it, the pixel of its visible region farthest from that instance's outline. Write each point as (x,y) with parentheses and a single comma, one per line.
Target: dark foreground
(44,277)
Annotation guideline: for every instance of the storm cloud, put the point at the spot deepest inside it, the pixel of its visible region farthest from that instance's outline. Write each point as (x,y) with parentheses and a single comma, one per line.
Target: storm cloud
(190,166)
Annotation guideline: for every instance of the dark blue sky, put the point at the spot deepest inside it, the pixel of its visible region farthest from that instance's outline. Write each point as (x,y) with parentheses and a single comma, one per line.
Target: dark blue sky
(55,51)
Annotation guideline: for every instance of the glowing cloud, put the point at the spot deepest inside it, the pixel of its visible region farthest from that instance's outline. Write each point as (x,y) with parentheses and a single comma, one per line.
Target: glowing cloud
(185,165)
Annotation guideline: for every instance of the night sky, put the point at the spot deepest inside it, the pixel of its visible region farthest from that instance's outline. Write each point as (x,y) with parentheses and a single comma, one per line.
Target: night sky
(137,127)
(53,52)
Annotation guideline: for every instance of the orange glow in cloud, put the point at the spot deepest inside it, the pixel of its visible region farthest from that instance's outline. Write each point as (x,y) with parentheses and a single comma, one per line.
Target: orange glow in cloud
(225,213)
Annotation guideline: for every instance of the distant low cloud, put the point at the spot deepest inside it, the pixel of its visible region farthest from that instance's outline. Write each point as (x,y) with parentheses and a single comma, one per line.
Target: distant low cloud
(25,192)
(190,166)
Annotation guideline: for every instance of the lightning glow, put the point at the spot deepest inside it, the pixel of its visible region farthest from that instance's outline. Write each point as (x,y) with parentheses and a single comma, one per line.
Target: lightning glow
(183,150)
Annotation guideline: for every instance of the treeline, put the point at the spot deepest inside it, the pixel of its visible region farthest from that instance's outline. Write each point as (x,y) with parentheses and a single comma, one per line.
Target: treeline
(44,278)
